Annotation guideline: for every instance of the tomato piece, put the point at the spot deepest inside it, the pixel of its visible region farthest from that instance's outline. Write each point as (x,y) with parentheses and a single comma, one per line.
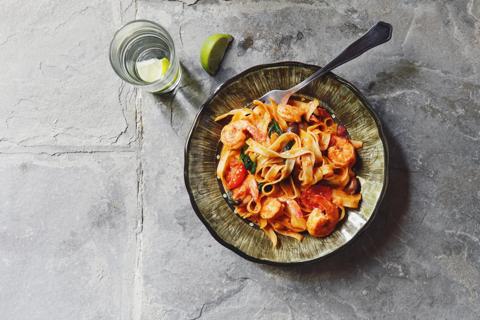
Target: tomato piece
(342,131)
(236,174)
(323,113)
(324,191)
(318,196)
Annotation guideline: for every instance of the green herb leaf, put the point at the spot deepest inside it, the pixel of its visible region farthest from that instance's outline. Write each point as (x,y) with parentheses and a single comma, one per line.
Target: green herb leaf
(260,185)
(274,127)
(247,162)
(254,168)
(289,145)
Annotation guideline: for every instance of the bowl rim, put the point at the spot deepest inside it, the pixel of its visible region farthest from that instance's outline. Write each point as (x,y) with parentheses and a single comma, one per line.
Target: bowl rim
(241,74)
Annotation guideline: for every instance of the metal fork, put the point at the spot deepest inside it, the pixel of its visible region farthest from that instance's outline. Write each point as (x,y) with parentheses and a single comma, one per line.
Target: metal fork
(378,34)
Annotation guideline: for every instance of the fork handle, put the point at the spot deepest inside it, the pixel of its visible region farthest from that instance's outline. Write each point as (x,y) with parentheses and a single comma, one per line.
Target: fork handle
(378,34)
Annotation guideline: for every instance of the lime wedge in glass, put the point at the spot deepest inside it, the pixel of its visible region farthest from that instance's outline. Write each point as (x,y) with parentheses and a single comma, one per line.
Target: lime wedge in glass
(213,50)
(152,70)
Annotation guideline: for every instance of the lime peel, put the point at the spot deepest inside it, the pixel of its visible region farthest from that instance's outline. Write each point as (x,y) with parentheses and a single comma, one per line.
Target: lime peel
(153,69)
(213,50)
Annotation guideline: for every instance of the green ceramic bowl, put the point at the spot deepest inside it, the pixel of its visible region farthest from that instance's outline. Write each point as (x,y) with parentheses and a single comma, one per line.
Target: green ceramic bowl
(350,107)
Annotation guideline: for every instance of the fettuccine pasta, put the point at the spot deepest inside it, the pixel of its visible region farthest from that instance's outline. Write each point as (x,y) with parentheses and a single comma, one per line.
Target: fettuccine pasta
(288,168)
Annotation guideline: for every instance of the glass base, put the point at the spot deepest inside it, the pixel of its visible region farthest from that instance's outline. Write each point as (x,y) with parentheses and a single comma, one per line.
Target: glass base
(169,87)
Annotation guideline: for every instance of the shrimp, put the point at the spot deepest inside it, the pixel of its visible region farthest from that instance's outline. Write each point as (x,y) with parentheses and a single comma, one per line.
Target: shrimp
(322,223)
(342,152)
(247,190)
(296,215)
(233,134)
(271,208)
(291,113)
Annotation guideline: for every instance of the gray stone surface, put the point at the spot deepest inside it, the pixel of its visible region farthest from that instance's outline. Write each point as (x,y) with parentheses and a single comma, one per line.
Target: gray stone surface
(56,76)
(95,222)
(68,236)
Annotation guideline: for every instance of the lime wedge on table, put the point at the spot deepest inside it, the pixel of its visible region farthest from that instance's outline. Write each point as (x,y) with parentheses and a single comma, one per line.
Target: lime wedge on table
(213,50)
(152,70)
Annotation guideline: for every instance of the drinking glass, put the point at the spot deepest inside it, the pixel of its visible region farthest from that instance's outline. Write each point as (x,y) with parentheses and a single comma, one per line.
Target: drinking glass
(142,53)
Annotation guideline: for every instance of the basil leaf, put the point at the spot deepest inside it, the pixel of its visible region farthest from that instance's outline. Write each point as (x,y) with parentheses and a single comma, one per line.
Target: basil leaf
(289,145)
(254,167)
(260,185)
(247,162)
(274,127)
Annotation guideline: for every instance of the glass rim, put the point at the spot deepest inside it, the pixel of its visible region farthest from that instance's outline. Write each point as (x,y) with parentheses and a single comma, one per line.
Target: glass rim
(173,61)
